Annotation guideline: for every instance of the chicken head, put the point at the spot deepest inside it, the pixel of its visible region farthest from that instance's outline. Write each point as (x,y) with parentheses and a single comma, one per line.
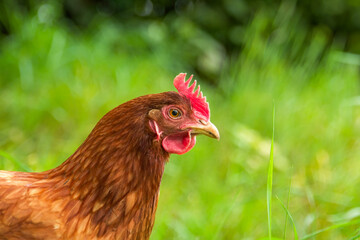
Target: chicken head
(176,125)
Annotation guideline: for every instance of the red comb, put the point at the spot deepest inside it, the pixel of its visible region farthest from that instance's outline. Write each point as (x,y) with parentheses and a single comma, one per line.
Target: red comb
(198,102)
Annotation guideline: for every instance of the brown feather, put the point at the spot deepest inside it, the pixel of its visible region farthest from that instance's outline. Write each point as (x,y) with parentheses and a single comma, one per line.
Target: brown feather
(108,189)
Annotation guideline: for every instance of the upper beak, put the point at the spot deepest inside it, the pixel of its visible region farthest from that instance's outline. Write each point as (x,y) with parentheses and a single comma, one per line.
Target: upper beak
(207,129)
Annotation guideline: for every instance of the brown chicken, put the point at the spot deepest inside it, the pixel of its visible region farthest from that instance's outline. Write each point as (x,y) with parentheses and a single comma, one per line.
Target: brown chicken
(109,188)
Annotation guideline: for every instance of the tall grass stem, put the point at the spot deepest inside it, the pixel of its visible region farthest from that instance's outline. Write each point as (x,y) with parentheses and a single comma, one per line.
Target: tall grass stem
(270,175)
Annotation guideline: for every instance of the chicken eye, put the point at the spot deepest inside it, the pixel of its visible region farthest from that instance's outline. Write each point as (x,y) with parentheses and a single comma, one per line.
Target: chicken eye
(174,113)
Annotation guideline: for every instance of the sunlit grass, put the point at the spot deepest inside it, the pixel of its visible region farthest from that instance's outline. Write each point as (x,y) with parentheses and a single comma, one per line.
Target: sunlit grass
(270,175)
(19,165)
(287,207)
(296,237)
(332,227)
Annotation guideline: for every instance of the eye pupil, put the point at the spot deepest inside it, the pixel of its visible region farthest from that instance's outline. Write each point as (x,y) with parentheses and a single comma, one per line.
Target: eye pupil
(174,113)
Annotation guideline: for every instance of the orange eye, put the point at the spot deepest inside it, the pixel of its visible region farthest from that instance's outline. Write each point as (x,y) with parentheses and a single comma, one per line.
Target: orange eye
(174,113)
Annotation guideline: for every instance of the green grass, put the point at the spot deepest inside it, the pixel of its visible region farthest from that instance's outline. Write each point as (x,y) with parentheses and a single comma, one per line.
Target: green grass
(335,226)
(287,207)
(56,84)
(296,237)
(270,176)
(19,165)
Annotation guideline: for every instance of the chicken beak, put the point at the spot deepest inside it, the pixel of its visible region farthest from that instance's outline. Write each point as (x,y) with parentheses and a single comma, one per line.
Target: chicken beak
(206,128)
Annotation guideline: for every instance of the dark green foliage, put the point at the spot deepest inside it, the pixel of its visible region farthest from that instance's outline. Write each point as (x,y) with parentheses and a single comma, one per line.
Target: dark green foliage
(220,25)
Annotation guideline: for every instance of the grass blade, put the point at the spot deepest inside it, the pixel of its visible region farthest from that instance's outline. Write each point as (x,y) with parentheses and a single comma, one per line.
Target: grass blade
(357,236)
(270,176)
(287,206)
(15,161)
(339,225)
(226,216)
(291,218)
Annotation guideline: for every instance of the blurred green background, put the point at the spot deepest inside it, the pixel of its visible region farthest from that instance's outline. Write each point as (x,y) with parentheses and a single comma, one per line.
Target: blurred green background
(64,64)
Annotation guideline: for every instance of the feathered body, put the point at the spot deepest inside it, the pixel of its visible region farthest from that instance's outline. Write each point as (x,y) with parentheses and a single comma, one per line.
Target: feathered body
(108,189)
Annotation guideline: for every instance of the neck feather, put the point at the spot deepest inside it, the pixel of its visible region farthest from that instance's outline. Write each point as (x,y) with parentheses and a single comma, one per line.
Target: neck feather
(118,158)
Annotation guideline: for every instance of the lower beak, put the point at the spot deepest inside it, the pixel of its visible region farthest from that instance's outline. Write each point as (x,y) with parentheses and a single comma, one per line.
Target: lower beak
(207,129)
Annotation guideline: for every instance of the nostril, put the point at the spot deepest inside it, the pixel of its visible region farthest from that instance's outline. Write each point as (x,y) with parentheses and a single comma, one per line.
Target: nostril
(202,122)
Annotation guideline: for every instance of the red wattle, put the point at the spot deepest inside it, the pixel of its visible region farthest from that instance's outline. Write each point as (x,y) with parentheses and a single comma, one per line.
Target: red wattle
(179,143)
